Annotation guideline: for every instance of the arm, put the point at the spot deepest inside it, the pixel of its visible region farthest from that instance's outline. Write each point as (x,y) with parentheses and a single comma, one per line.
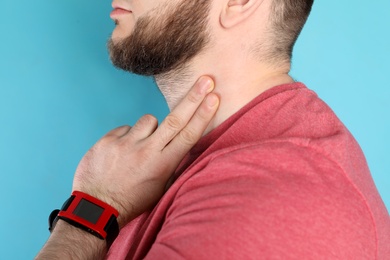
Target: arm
(129,168)
(68,242)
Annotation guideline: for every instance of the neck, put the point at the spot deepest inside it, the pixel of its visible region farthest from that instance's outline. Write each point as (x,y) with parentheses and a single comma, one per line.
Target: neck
(237,83)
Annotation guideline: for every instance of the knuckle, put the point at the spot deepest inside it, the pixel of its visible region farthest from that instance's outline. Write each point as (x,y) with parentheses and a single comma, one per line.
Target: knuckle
(143,128)
(203,114)
(147,120)
(120,129)
(193,97)
(117,132)
(106,140)
(121,144)
(188,136)
(173,122)
(124,127)
(144,154)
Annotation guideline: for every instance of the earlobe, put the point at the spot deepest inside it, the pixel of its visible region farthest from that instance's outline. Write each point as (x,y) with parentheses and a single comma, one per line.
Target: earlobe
(236,11)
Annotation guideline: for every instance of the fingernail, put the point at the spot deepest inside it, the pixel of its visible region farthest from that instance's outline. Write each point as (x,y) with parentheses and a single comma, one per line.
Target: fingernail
(206,84)
(212,100)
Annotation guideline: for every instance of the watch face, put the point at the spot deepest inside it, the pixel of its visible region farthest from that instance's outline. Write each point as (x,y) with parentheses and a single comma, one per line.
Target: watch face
(88,211)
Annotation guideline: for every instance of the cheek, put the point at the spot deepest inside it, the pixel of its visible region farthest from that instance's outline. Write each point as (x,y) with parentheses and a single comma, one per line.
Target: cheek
(141,7)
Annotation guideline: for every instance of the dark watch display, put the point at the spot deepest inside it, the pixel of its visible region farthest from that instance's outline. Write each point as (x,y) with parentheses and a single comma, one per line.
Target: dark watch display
(90,214)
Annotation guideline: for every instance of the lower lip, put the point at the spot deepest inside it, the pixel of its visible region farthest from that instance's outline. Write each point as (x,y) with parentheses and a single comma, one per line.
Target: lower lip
(118,11)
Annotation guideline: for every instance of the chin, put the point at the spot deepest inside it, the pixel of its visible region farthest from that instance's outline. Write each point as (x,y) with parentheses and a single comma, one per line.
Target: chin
(119,34)
(115,39)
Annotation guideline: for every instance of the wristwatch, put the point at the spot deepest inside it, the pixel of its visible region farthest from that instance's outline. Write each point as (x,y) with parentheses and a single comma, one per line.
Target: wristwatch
(90,214)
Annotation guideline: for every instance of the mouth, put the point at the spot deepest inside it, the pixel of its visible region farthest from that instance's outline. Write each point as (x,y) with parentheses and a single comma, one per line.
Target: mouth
(119,11)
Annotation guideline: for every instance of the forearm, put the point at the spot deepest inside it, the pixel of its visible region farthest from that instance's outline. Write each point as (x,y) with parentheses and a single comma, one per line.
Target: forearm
(68,242)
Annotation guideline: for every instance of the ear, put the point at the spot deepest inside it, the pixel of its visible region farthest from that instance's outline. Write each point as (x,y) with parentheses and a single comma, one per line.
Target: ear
(236,11)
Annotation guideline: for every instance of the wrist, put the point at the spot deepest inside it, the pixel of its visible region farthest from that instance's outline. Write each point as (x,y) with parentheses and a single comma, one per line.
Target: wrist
(102,196)
(125,213)
(72,233)
(88,214)
(69,242)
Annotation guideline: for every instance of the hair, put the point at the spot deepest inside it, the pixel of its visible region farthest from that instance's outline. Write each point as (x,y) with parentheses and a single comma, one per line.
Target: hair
(287,20)
(163,40)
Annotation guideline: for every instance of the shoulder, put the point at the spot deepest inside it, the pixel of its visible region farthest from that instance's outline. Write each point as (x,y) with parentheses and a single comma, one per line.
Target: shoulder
(274,199)
(282,160)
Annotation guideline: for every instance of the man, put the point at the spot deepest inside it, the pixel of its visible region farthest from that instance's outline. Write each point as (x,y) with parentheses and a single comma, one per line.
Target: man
(276,174)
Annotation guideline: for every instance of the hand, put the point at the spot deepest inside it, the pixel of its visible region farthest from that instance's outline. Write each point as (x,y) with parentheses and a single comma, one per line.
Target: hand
(129,167)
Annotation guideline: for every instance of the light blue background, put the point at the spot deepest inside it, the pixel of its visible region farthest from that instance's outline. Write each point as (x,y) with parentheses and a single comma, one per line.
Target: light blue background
(59,95)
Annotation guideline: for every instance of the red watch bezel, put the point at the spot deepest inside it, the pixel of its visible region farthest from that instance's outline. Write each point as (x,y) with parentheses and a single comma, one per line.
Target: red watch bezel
(99,227)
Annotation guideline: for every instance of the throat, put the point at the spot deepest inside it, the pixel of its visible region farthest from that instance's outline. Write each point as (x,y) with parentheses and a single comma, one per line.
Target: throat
(175,85)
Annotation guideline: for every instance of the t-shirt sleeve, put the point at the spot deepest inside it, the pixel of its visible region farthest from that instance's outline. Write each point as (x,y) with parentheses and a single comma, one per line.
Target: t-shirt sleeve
(272,201)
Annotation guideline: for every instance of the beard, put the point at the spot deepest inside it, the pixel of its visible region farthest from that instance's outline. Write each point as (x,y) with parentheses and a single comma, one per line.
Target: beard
(164,40)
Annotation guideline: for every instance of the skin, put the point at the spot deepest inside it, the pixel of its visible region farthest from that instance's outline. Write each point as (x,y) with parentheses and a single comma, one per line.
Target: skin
(129,167)
(232,58)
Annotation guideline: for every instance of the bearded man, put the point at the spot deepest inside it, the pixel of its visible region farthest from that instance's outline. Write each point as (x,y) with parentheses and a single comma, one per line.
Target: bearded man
(274,175)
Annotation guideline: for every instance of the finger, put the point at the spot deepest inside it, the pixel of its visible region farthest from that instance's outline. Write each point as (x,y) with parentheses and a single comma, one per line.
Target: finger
(144,127)
(119,131)
(182,113)
(193,131)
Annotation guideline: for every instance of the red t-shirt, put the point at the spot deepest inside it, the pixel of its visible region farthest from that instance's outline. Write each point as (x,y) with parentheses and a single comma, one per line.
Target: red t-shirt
(280,179)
